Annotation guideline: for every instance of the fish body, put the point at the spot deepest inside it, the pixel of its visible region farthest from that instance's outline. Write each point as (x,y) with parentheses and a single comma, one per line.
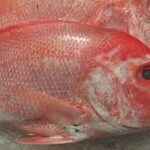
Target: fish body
(65,82)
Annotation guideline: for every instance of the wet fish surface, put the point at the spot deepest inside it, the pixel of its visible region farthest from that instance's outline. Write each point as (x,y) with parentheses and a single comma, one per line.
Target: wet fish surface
(65,82)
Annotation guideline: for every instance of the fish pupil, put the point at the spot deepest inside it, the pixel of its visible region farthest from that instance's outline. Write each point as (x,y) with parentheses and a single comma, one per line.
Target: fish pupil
(146,74)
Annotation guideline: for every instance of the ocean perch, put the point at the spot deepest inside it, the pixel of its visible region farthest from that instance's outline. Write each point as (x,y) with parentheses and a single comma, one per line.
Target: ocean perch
(65,82)
(129,16)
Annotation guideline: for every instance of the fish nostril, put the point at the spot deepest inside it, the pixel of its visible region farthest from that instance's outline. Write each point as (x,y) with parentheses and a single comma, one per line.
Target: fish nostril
(146,74)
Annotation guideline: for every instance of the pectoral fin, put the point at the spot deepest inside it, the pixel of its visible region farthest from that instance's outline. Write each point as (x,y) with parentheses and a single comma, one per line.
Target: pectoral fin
(39,140)
(25,103)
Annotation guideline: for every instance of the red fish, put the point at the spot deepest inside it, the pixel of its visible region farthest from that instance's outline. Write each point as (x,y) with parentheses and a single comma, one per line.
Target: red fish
(18,11)
(65,82)
(129,16)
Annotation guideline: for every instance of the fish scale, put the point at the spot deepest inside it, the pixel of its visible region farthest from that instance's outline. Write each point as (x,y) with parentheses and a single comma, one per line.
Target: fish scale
(67,74)
(59,64)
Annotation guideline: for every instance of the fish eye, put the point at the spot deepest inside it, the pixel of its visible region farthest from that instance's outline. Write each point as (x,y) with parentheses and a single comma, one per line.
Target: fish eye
(146,74)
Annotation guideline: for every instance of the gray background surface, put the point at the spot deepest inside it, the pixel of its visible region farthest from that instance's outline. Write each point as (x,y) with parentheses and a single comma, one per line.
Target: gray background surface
(136,141)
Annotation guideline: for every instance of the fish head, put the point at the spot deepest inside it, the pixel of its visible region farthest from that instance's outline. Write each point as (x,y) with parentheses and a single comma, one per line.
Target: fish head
(133,87)
(118,88)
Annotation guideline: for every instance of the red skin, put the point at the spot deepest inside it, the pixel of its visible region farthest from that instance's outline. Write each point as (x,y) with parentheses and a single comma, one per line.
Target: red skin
(25,107)
(129,16)
(66,55)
